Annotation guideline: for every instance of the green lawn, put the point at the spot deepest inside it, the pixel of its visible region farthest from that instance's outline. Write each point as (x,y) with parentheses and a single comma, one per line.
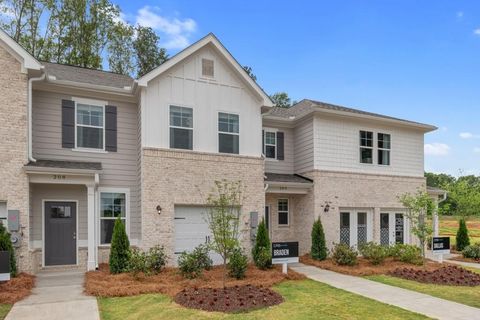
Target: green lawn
(4,308)
(465,295)
(305,299)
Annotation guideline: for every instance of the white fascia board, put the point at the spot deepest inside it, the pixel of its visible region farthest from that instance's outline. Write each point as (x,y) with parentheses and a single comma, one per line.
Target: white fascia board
(27,60)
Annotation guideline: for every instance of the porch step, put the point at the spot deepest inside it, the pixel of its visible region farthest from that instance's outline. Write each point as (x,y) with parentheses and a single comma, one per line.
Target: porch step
(62,268)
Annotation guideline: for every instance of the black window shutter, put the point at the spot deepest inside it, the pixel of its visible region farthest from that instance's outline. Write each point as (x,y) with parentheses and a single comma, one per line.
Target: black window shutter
(111,128)
(280,146)
(263,141)
(68,124)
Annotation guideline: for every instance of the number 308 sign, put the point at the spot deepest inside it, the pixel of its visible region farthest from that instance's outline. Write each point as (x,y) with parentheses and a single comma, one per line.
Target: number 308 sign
(284,252)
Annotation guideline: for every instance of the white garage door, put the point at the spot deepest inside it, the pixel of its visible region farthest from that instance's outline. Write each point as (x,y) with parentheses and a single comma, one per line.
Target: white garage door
(191,230)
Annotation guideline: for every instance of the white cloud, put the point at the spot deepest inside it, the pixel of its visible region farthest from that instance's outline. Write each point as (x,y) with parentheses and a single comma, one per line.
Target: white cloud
(469,135)
(477,31)
(175,31)
(436,149)
(460,14)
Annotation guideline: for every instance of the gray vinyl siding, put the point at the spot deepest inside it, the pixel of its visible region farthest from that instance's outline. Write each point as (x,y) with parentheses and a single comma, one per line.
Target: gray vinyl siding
(282,166)
(303,146)
(120,169)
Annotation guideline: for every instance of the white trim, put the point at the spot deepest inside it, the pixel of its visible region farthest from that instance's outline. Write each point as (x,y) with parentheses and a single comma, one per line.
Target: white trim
(126,191)
(27,60)
(179,105)
(43,227)
(288,213)
(264,142)
(95,103)
(225,132)
(212,40)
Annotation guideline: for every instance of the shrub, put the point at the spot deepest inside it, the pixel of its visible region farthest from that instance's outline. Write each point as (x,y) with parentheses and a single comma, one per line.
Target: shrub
(6,245)
(120,249)
(237,265)
(462,235)
(344,255)
(406,253)
(152,261)
(192,264)
(261,252)
(373,252)
(319,248)
(472,251)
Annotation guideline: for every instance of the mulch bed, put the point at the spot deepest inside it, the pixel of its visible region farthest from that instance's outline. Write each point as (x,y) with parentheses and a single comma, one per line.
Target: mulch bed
(229,299)
(365,267)
(449,275)
(103,284)
(16,289)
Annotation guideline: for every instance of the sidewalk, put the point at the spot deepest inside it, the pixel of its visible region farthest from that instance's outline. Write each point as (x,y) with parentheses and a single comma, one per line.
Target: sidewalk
(409,300)
(465,264)
(57,295)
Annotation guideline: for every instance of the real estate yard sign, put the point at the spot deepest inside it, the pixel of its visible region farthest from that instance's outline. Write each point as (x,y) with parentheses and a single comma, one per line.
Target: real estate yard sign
(284,252)
(441,245)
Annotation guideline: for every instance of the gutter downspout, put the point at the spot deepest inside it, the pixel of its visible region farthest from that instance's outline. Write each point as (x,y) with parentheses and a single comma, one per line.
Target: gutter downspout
(29,111)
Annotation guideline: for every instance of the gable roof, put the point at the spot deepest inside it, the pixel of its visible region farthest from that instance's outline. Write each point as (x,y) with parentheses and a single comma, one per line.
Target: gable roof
(22,55)
(213,40)
(63,72)
(306,107)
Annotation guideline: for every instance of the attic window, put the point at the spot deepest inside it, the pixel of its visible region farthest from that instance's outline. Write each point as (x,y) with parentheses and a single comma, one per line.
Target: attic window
(207,68)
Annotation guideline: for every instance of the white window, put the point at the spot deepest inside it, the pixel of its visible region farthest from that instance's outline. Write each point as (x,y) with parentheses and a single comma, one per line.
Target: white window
(283,212)
(181,127)
(384,145)
(208,68)
(113,205)
(228,133)
(3,213)
(89,122)
(270,144)
(366,147)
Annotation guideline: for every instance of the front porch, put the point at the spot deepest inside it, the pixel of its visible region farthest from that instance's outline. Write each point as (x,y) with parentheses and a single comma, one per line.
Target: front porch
(63,214)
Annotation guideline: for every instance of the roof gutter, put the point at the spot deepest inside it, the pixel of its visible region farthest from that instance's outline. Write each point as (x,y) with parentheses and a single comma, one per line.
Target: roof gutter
(29,111)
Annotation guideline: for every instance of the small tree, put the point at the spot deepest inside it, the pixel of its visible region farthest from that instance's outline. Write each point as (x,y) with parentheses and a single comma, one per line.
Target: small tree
(262,247)
(119,249)
(463,239)
(223,216)
(319,248)
(6,245)
(419,206)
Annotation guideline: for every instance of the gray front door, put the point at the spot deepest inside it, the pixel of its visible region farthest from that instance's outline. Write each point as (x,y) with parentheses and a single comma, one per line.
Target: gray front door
(60,233)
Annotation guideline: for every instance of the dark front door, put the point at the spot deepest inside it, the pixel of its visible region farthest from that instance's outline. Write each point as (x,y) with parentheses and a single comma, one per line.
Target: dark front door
(399,228)
(60,233)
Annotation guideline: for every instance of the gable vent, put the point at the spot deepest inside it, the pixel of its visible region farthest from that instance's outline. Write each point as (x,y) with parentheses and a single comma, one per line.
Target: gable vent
(207,68)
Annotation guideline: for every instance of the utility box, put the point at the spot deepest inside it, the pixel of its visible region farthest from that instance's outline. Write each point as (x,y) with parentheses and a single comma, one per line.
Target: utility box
(4,265)
(13,220)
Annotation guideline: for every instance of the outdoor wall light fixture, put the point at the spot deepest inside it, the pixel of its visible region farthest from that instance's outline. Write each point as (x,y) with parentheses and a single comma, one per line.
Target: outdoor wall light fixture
(326,207)
(159,209)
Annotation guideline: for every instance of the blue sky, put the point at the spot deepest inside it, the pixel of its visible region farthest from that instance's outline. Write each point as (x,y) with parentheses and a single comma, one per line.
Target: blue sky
(418,60)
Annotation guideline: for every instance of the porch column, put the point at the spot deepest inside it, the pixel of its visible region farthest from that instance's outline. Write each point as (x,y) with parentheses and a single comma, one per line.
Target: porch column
(91,263)
(435,219)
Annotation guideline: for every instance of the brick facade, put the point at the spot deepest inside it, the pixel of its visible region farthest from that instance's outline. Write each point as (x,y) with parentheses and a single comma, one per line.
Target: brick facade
(13,149)
(172,178)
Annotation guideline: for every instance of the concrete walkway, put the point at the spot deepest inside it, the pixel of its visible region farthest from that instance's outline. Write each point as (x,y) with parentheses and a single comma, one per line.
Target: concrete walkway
(409,300)
(465,264)
(57,295)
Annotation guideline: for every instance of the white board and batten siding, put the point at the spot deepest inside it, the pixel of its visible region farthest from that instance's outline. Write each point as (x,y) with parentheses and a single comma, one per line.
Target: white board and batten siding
(120,169)
(184,86)
(337,147)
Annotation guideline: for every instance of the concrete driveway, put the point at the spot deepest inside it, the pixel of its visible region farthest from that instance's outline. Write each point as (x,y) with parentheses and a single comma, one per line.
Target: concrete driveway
(57,295)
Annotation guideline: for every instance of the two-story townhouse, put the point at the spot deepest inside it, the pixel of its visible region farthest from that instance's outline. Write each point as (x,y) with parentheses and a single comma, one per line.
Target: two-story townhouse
(82,147)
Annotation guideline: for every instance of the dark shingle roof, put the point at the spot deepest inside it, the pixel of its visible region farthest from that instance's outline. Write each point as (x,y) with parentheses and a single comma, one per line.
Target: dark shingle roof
(66,164)
(306,106)
(277,177)
(87,76)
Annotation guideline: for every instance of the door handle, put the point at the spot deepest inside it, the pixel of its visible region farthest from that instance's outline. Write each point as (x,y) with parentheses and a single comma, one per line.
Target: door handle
(74,236)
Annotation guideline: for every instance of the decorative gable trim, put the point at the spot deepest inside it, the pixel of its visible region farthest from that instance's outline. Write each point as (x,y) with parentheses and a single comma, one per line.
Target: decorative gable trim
(16,50)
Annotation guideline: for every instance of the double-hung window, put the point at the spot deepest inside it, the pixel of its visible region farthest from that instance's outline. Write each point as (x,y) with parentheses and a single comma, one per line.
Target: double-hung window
(366,147)
(90,129)
(270,144)
(181,127)
(282,212)
(228,133)
(384,146)
(113,205)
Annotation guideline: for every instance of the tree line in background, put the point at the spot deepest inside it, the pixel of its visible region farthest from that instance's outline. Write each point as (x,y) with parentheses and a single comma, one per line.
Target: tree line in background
(463,193)
(84,33)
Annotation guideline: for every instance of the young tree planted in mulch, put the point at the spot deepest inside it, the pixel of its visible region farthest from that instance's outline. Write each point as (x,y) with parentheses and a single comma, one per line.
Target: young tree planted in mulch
(262,250)
(419,207)
(119,249)
(223,216)
(6,245)
(319,248)
(463,240)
